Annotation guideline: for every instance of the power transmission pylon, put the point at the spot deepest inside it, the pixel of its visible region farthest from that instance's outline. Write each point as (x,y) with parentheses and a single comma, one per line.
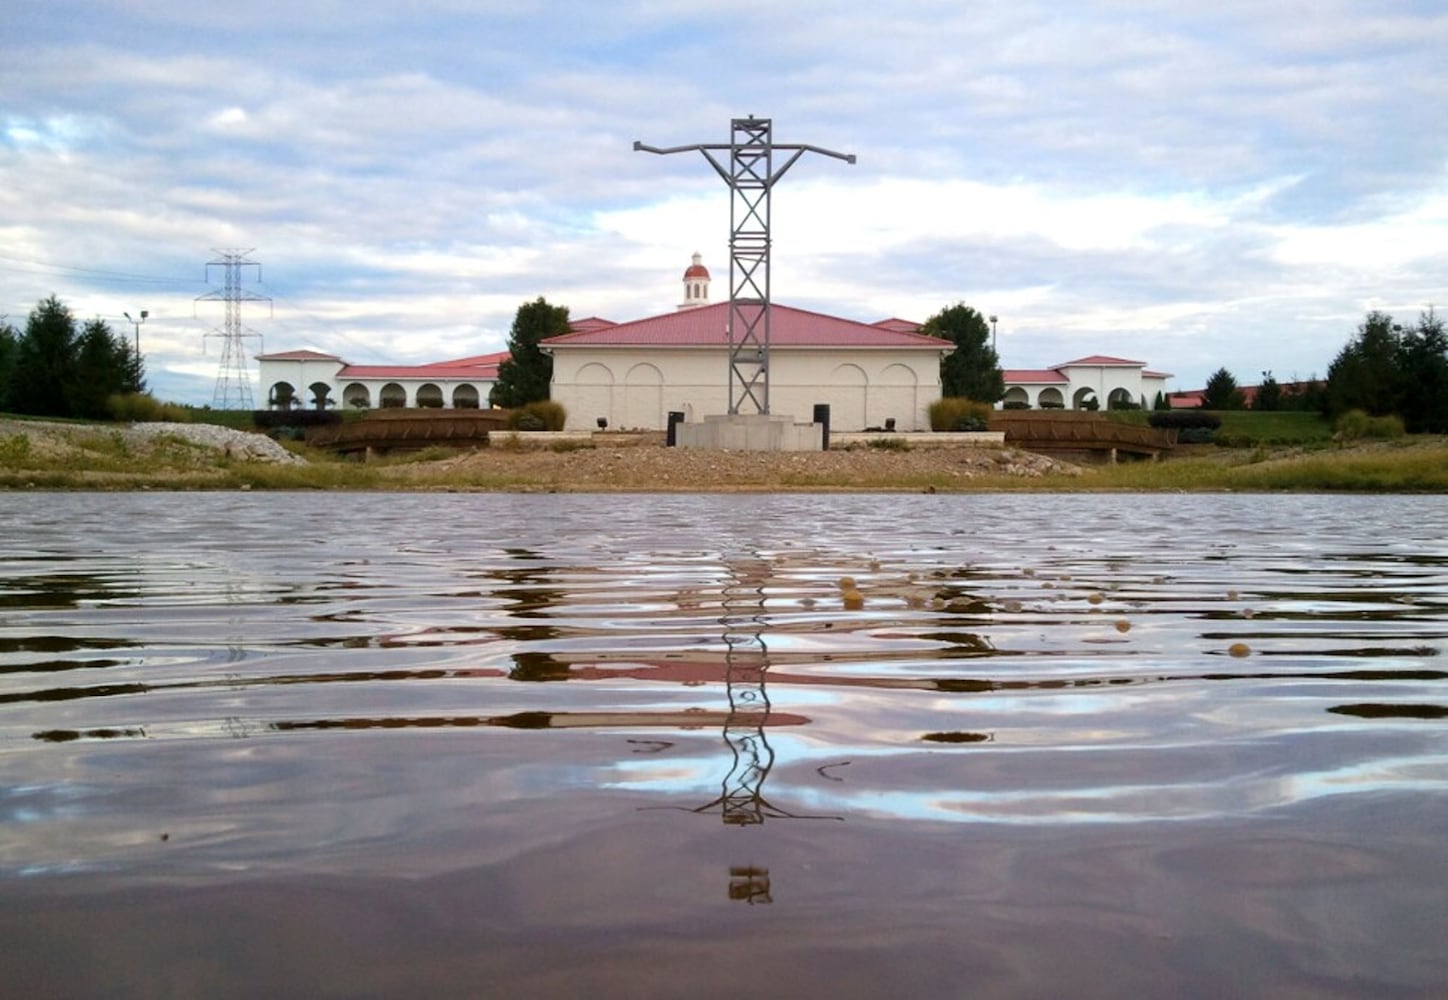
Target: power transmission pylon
(751,177)
(233,384)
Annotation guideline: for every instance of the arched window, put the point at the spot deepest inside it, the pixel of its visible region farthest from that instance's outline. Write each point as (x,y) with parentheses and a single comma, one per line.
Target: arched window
(392,396)
(356,397)
(282,396)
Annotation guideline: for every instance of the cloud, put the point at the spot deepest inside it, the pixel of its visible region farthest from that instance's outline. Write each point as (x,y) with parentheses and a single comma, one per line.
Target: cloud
(1193,185)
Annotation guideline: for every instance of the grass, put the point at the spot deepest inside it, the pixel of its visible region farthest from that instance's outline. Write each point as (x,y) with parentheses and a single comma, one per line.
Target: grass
(97,457)
(1405,465)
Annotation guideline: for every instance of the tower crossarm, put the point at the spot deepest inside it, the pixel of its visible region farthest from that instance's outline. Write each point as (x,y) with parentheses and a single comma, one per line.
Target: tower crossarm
(752,170)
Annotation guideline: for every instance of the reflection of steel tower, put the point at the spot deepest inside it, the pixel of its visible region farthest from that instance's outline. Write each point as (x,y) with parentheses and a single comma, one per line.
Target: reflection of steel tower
(746,663)
(233,384)
(751,177)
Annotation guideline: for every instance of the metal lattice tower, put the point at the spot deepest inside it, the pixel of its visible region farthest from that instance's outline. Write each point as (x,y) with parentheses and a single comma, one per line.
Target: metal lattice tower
(233,383)
(751,177)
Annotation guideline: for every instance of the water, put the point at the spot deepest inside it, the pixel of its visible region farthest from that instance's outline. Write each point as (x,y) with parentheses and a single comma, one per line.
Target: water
(653,746)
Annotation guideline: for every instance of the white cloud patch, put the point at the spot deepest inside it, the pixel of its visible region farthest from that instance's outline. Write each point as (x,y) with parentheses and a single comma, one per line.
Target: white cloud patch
(1195,186)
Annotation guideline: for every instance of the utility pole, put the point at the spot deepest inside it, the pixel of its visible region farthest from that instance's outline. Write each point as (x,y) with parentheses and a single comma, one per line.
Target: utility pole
(233,383)
(751,176)
(136,361)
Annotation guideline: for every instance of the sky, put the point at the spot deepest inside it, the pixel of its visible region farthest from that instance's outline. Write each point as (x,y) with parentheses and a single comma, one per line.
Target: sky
(1193,185)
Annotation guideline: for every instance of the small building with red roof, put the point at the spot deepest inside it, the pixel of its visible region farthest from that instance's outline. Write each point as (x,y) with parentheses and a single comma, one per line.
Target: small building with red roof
(313,380)
(1095,380)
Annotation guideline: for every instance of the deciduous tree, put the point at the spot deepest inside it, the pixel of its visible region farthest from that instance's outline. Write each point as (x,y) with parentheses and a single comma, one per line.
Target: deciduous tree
(972,370)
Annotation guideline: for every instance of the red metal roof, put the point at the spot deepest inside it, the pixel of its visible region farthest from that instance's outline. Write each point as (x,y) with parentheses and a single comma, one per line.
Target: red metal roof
(591,323)
(298,356)
(1101,361)
(476,361)
(706,326)
(897,325)
(1034,376)
(468,373)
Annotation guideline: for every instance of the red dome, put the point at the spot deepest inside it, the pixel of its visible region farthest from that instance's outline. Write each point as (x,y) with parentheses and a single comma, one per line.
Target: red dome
(696,270)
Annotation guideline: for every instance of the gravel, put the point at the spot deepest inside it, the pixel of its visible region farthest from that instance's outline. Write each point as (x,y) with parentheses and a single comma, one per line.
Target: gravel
(235,444)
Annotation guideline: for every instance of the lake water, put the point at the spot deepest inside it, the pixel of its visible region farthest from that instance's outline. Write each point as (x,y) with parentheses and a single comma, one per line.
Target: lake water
(711,746)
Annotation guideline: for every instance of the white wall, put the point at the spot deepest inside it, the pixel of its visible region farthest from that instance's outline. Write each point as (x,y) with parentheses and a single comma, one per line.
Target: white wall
(636,387)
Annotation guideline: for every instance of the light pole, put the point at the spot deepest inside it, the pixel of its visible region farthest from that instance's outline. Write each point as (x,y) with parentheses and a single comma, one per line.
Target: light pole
(137,361)
(992,334)
(144,313)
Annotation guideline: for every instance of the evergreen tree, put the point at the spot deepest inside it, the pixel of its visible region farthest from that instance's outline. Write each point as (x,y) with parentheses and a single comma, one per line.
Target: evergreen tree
(9,347)
(1269,394)
(972,370)
(44,367)
(527,374)
(1423,376)
(102,368)
(1365,374)
(1221,392)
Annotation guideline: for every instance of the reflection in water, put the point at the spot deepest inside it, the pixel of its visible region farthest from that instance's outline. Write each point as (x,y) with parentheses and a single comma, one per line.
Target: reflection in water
(509,686)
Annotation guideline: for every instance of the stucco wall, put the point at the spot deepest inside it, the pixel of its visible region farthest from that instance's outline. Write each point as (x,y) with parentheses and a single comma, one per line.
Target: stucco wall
(637,387)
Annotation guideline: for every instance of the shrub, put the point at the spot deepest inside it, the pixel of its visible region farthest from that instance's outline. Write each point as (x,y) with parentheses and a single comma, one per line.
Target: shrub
(541,415)
(1016,404)
(956,413)
(888,444)
(1196,435)
(1184,420)
(1233,439)
(266,420)
(14,448)
(143,408)
(1356,424)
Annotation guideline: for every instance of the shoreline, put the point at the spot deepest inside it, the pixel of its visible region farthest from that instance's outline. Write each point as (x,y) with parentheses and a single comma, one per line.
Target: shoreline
(51,455)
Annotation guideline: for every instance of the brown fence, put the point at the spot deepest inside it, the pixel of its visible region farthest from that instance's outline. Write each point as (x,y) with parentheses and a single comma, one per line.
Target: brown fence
(391,430)
(1073,430)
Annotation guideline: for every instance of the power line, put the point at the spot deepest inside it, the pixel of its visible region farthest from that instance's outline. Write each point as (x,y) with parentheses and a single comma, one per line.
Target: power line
(122,276)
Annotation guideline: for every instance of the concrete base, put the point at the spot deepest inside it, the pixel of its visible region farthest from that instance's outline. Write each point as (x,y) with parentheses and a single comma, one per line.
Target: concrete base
(750,432)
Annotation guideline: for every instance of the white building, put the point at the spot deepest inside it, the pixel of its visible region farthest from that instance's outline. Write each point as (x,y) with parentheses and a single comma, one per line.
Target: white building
(632,375)
(1075,384)
(312,380)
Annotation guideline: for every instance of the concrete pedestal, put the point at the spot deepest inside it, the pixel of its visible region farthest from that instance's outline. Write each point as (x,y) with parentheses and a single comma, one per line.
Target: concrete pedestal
(750,432)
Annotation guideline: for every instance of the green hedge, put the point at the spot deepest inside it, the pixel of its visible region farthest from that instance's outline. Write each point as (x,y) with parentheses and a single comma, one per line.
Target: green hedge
(956,413)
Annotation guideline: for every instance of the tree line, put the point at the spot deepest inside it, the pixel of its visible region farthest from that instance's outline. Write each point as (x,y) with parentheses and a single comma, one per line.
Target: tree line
(57,368)
(1385,369)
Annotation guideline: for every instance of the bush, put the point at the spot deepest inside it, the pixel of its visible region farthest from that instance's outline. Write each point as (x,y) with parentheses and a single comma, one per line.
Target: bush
(1233,439)
(1356,424)
(1184,420)
(956,413)
(266,420)
(1015,404)
(14,448)
(143,408)
(888,444)
(541,415)
(1196,435)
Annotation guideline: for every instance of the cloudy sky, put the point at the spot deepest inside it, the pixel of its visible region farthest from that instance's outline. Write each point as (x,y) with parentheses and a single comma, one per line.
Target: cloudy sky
(1191,184)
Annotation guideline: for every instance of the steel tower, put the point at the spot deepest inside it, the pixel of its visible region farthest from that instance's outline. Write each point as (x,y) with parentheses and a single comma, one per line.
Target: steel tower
(751,176)
(233,383)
